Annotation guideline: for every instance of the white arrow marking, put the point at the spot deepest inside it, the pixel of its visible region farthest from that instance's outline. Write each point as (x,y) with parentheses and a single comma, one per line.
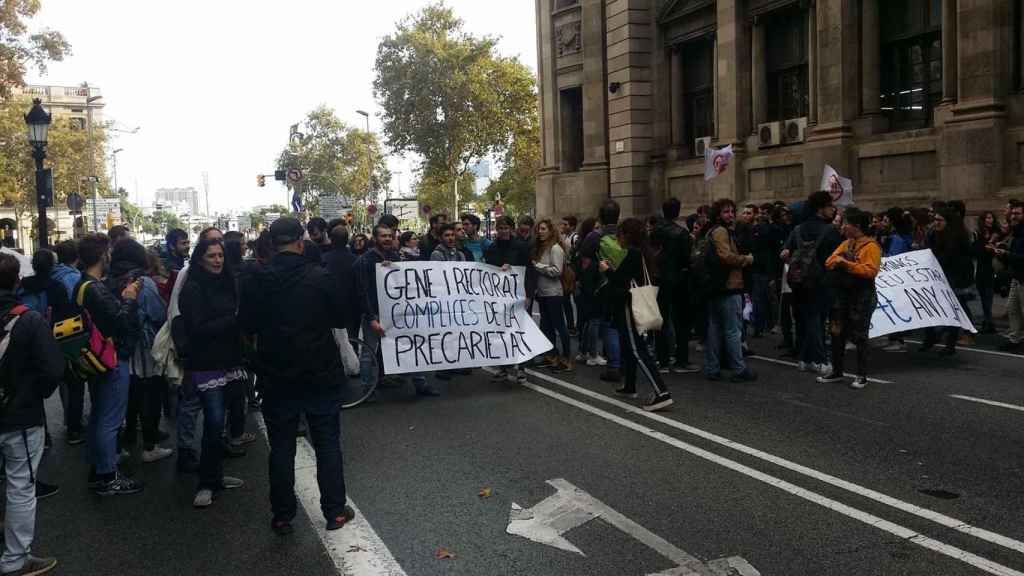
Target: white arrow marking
(570,507)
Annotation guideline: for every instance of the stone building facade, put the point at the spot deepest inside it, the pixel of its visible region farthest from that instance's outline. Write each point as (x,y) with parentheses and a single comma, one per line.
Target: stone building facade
(913,99)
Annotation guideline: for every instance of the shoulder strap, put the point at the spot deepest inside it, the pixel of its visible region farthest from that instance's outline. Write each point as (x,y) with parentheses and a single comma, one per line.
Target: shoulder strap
(8,326)
(80,296)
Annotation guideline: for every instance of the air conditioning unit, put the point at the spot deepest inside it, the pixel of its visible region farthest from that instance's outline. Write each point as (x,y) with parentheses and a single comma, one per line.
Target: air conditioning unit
(795,129)
(769,134)
(701,145)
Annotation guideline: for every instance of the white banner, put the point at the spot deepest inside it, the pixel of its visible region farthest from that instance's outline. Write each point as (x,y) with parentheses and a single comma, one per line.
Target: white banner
(913,293)
(716,162)
(445,315)
(841,189)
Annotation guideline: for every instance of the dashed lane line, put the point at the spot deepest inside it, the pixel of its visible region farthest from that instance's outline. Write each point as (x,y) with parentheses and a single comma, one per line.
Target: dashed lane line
(356,549)
(897,530)
(931,515)
(980,351)
(989,402)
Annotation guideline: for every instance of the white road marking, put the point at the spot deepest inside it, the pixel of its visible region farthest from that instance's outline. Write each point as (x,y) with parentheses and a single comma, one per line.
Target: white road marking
(859,515)
(795,365)
(355,550)
(980,351)
(570,507)
(942,519)
(989,402)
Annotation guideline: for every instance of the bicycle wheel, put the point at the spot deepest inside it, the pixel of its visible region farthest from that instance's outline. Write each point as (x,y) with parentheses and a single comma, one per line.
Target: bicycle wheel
(355,392)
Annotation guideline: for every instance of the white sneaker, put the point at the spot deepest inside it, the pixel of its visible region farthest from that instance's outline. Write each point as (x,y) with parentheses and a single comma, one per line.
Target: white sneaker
(895,347)
(156,454)
(699,348)
(803,366)
(851,346)
(581,357)
(596,360)
(859,382)
(203,498)
(824,369)
(231,483)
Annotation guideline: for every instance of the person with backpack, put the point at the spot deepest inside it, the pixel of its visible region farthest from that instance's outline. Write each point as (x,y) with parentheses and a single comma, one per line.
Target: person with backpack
(116,317)
(725,300)
(40,292)
(31,368)
(128,263)
(570,241)
(854,266)
(809,245)
(548,257)
(72,391)
(633,270)
(603,244)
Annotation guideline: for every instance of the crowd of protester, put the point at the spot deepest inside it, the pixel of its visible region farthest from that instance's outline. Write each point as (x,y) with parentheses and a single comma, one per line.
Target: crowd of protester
(219,329)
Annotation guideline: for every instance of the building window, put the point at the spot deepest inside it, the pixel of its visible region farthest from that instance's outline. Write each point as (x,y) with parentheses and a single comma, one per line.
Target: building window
(571,102)
(560,4)
(698,91)
(911,61)
(77,123)
(786,65)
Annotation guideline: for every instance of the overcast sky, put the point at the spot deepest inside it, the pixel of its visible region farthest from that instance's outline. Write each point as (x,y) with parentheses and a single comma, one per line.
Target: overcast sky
(214,85)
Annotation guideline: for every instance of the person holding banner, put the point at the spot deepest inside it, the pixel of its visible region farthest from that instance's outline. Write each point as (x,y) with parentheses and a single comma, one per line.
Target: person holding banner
(505,252)
(633,269)
(951,245)
(853,267)
(549,261)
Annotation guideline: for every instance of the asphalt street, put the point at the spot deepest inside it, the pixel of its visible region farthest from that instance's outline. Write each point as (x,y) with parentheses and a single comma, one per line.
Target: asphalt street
(918,474)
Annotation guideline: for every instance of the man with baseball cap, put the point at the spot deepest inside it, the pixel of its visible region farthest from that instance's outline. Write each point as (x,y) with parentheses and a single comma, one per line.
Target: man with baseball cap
(291,306)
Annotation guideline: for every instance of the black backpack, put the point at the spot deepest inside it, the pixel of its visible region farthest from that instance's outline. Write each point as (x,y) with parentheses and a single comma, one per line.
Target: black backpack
(805,271)
(6,327)
(707,274)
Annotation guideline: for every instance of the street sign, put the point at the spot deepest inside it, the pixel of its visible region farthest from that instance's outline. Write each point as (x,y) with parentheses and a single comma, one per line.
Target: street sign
(75,203)
(44,185)
(334,206)
(294,175)
(107,209)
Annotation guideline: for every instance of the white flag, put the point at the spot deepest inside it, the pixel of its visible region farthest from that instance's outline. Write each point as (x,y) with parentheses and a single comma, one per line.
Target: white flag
(716,161)
(840,188)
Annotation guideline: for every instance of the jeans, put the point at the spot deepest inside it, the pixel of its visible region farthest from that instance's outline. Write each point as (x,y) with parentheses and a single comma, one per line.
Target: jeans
(611,344)
(986,293)
(72,394)
(323,415)
(1015,311)
(211,461)
(724,321)
(145,396)
(812,324)
(552,322)
(22,450)
(109,395)
(761,296)
(189,406)
(368,373)
(637,356)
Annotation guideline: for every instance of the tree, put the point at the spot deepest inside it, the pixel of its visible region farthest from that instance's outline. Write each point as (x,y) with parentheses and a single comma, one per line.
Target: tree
(19,49)
(131,215)
(335,158)
(259,217)
(447,96)
(433,189)
(517,184)
(161,222)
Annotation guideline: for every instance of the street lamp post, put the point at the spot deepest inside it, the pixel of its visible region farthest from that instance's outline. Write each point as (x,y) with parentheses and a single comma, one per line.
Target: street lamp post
(92,166)
(369,157)
(38,127)
(114,155)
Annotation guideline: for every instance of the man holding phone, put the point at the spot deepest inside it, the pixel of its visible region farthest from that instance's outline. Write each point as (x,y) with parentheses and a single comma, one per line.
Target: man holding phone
(1012,254)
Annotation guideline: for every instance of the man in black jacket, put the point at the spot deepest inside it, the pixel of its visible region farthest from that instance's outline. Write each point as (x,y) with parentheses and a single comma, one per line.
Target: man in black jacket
(339,261)
(292,306)
(674,294)
(507,251)
(30,370)
(1012,255)
(116,318)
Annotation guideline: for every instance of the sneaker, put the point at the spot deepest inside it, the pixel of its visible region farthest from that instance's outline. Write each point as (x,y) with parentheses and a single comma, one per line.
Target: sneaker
(895,347)
(625,392)
(859,382)
(204,497)
(340,520)
(596,360)
(119,486)
(245,438)
(34,567)
(685,369)
(500,376)
(581,357)
(831,378)
(699,348)
(611,375)
(564,366)
(74,438)
(231,483)
(520,377)
(747,375)
(281,527)
(45,490)
(851,346)
(824,368)
(659,402)
(156,454)
(804,366)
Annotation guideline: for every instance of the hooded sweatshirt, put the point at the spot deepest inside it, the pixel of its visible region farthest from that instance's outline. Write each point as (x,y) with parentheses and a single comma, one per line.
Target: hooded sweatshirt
(67,276)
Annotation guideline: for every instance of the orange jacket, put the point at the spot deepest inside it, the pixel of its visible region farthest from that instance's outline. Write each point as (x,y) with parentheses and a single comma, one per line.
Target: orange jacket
(862,257)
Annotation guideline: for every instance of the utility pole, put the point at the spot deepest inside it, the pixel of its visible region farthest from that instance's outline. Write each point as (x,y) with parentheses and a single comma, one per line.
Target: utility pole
(206,190)
(92,165)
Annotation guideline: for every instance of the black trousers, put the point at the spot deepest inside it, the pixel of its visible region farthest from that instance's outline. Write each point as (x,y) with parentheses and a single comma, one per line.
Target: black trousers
(635,356)
(145,399)
(73,396)
(323,416)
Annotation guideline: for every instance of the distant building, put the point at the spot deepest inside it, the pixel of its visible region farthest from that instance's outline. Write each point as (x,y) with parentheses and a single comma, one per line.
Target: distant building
(188,196)
(915,100)
(68,102)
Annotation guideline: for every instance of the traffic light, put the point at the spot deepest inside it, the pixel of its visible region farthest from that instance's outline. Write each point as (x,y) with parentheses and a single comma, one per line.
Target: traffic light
(348,218)
(261,180)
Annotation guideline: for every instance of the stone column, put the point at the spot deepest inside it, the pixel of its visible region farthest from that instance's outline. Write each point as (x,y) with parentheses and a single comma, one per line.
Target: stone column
(812,63)
(758,73)
(871,48)
(678,132)
(950,58)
